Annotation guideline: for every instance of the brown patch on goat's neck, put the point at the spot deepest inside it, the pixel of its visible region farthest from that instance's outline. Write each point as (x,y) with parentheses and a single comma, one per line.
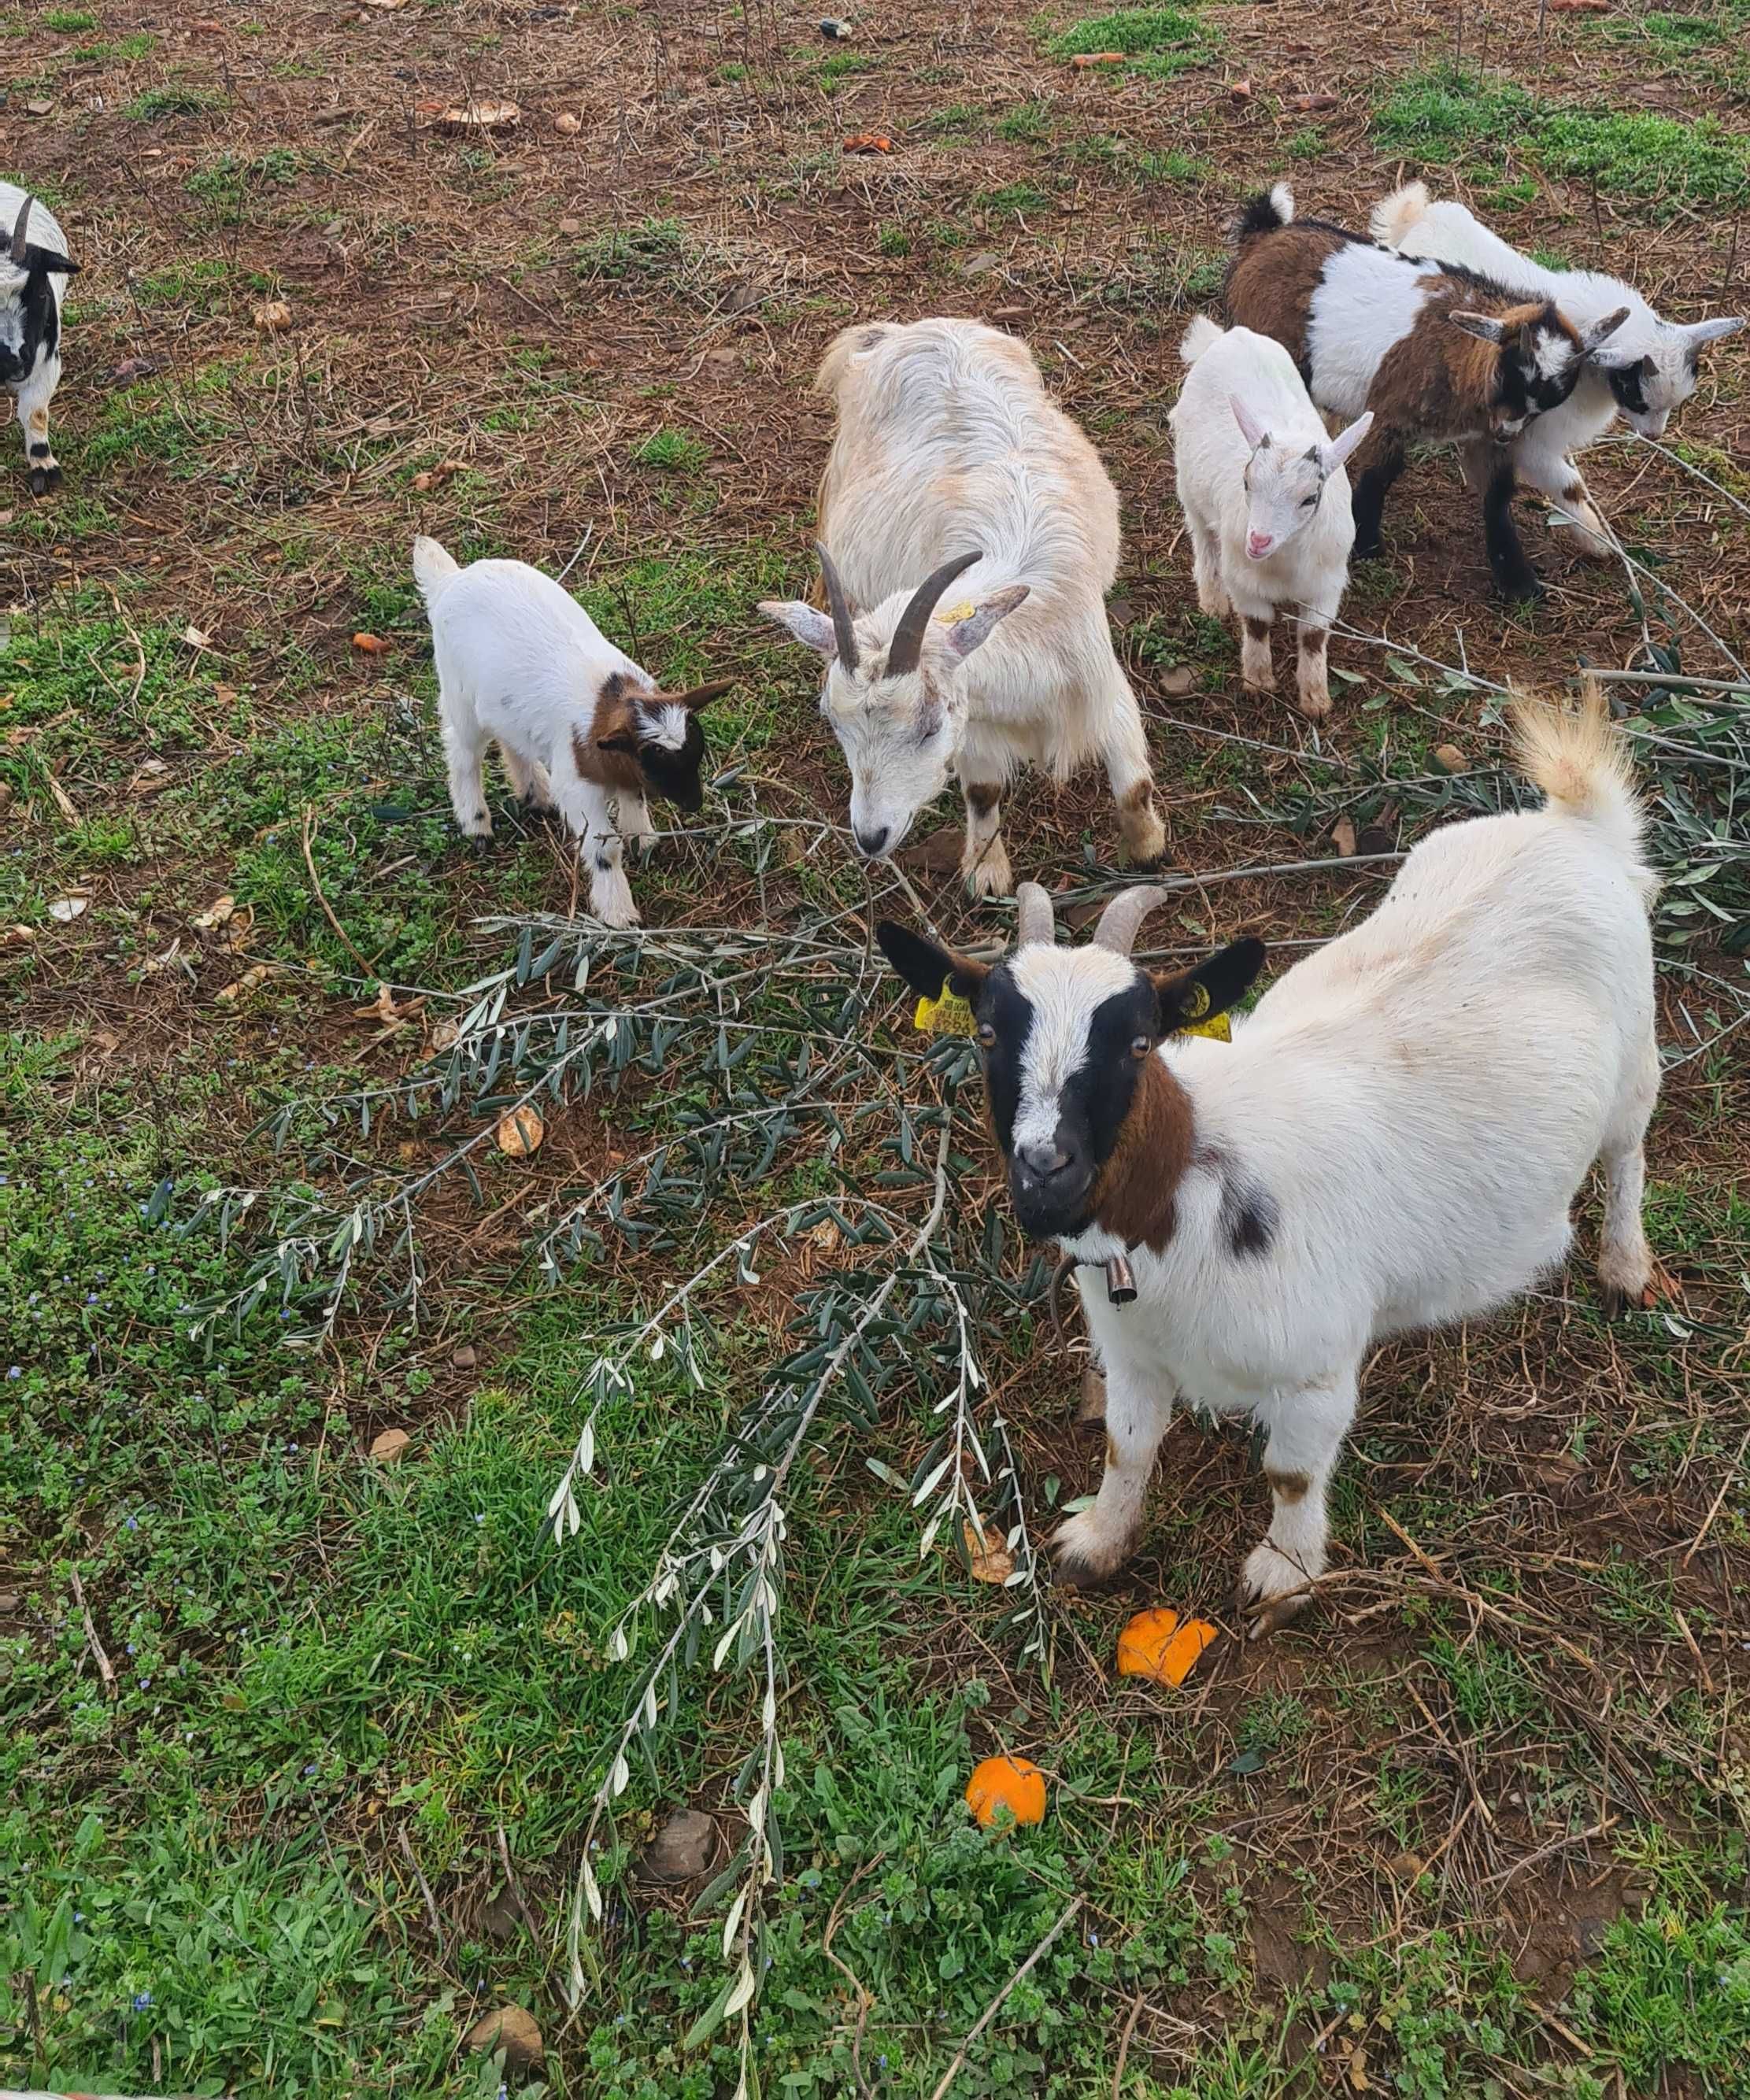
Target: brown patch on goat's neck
(614,717)
(1136,1193)
(1271,282)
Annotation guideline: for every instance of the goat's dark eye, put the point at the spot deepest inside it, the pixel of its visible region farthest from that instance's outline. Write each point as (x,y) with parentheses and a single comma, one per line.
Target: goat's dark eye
(1308,501)
(1141,1045)
(986,1035)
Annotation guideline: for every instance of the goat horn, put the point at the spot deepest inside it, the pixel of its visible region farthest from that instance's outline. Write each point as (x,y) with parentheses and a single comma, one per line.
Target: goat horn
(1119,922)
(1033,921)
(906,646)
(840,608)
(18,231)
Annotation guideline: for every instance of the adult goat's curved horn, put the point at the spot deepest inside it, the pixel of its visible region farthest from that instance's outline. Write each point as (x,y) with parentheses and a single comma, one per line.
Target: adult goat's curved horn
(18,231)
(1117,929)
(840,608)
(1033,921)
(906,646)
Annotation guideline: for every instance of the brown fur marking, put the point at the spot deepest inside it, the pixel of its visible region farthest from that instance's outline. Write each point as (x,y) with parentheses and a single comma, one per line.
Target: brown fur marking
(1141,796)
(1439,382)
(1288,1487)
(1111,1449)
(1271,285)
(1135,1195)
(1313,640)
(1258,630)
(617,769)
(982,801)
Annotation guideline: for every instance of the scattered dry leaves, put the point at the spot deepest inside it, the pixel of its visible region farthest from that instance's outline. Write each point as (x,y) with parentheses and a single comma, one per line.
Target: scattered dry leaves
(370,645)
(273,317)
(480,115)
(1343,835)
(992,1562)
(387,1446)
(219,913)
(64,910)
(520,1133)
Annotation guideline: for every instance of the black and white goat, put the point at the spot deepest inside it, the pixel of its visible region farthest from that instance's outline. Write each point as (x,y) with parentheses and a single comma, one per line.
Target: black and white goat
(1391,1141)
(31,270)
(1646,371)
(951,462)
(1437,354)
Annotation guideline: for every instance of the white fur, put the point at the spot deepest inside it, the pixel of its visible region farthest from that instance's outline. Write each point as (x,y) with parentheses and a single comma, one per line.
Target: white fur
(1057,1041)
(1365,302)
(1449,232)
(520,662)
(1241,489)
(947,442)
(1417,1105)
(36,389)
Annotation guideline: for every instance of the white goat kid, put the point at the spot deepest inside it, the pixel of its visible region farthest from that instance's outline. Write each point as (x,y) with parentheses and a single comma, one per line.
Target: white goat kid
(1264,492)
(1645,371)
(951,461)
(579,725)
(1392,1140)
(34,269)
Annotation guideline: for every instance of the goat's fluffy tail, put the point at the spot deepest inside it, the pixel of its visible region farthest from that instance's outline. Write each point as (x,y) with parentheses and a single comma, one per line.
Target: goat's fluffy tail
(1267,213)
(433,569)
(1200,336)
(1395,216)
(1580,760)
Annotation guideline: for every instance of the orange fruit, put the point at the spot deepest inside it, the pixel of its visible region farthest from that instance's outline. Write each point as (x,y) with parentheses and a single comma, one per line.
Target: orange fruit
(1015,1784)
(1154,1644)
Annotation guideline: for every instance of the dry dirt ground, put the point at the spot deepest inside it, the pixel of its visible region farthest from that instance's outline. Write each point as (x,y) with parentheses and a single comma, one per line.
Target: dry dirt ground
(304,1746)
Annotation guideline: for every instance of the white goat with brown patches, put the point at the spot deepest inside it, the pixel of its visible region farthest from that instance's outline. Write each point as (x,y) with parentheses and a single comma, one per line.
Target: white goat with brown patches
(34,269)
(1264,492)
(951,462)
(1393,1140)
(580,726)
(1645,373)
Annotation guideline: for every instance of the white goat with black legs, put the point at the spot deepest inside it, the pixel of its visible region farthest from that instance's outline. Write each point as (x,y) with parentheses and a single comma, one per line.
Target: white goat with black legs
(33,268)
(1644,373)
(1393,1140)
(951,462)
(580,726)
(1263,490)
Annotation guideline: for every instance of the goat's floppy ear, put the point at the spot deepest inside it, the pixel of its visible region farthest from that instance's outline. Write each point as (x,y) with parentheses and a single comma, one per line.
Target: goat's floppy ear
(1484,327)
(1198,995)
(926,967)
(1591,338)
(1250,428)
(696,697)
(622,740)
(50,261)
(806,624)
(1346,442)
(964,636)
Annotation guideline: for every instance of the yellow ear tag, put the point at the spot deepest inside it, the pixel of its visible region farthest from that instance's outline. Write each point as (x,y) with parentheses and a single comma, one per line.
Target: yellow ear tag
(1217,1028)
(946,1016)
(956,613)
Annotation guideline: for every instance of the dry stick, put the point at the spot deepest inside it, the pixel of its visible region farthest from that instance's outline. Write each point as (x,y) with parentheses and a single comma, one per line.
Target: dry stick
(104,1668)
(340,931)
(996,2004)
(1123,2041)
(1707,1522)
(425,1887)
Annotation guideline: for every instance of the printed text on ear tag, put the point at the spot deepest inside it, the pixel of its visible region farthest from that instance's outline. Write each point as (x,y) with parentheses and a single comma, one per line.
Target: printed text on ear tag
(946,1016)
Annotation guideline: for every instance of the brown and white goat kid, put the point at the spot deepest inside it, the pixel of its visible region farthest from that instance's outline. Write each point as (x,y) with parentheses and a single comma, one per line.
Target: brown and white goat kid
(1391,1141)
(952,462)
(34,269)
(579,725)
(1436,352)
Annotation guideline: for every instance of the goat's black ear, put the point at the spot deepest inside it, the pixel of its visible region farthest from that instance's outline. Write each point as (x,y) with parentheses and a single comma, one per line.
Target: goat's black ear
(928,968)
(622,741)
(1200,995)
(63,265)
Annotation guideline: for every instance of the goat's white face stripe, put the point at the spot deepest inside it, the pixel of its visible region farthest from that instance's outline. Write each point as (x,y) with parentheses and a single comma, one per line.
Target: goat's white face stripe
(666,727)
(1065,987)
(1554,354)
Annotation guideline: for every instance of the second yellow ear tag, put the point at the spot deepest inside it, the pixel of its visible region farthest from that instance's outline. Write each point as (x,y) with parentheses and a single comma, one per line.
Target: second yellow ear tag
(956,613)
(1217,1028)
(946,1016)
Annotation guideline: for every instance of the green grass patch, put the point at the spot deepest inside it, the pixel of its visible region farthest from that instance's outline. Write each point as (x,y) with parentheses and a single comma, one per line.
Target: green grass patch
(841,65)
(1157,41)
(68,21)
(1446,117)
(176,99)
(676,452)
(1012,200)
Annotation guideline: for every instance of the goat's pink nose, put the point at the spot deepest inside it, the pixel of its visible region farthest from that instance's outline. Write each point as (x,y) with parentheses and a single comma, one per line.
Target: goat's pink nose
(1258,545)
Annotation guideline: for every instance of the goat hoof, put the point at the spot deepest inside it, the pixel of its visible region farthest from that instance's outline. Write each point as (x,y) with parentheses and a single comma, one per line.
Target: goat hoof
(1271,1590)
(1520,590)
(1070,1571)
(44,479)
(1077,1563)
(479,844)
